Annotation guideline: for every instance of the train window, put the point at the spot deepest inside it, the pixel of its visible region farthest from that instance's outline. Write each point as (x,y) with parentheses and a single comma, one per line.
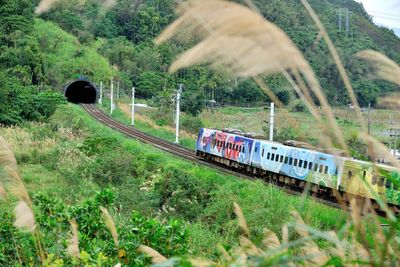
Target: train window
(262,154)
(272,156)
(305,164)
(286,160)
(281,158)
(237,148)
(381,181)
(255,149)
(268,155)
(290,161)
(321,168)
(230,145)
(301,163)
(364,172)
(349,174)
(315,167)
(388,183)
(243,149)
(373,181)
(326,169)
(310,165)
(274,148)
(295,162)
(277,158)
(214,142)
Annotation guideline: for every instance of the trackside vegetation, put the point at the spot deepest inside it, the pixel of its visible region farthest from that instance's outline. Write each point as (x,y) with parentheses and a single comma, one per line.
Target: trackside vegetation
(70,168)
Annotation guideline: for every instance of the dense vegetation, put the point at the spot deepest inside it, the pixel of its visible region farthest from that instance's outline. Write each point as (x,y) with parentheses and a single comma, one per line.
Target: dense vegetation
(38,55)
(72,164)
(127,29)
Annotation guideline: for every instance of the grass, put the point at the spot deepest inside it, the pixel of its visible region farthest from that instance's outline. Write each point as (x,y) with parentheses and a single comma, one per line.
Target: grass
(145,123)
(62,171)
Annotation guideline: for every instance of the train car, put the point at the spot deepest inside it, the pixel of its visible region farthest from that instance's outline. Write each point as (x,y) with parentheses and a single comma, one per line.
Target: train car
(226,148)
(372,181)
(299,163)
(295,166)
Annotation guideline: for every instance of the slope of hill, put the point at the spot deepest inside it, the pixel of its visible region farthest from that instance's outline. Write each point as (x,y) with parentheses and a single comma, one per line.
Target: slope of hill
(129,28)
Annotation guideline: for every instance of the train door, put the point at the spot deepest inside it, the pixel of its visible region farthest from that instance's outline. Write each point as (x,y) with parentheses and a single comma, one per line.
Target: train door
(350,179)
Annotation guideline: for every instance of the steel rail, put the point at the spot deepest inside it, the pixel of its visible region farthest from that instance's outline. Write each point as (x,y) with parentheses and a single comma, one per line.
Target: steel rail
(183,152)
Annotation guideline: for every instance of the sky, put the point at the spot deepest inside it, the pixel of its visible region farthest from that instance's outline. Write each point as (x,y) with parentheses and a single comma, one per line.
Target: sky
(384,12)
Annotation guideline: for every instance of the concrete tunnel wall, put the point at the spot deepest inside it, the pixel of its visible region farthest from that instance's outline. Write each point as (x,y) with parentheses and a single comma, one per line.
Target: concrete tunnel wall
(81,91)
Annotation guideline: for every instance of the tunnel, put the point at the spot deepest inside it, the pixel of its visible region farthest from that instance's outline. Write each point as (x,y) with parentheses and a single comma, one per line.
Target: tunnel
(81,91)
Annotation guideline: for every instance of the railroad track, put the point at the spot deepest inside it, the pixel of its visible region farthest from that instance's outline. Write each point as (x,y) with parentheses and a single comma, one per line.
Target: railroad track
(178,150)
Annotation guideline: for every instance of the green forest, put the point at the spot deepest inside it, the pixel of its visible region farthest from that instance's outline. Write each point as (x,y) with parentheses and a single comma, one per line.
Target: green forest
(40,54)
(74,192)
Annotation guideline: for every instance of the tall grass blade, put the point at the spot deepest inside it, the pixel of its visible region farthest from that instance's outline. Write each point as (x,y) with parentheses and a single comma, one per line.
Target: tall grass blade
(110,224)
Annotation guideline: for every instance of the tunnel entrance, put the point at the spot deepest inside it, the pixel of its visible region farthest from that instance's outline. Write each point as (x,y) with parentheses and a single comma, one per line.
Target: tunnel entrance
(81,91)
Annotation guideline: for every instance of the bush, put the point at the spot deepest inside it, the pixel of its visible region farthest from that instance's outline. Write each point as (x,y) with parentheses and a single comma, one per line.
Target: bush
(98,145)
(96,243)
(192,124)
(19,104)
(181,194)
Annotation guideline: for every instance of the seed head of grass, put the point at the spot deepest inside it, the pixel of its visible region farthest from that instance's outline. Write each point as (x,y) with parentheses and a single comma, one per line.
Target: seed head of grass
(3,193)
(155,255)
(110,224)
(241,41)
(73,242)
(24,218)
(384,67)
(241,219)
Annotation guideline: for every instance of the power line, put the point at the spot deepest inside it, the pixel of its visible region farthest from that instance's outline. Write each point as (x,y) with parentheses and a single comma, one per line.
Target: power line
(384,13)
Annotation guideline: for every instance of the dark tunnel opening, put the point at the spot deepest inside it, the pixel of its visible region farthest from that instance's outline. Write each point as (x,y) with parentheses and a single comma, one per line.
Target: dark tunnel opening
(81,92)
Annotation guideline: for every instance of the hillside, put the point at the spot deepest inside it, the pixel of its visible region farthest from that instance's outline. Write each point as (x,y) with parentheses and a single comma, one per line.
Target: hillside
(76,193)
(127,31)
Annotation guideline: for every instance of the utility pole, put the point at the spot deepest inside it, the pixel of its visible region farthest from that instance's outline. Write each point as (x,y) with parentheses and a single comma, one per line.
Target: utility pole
(112,97)
(178,99)
(101,93)
(133,107)
(340,19)
(118,90)
(369,119)
(347,21)
(271,123)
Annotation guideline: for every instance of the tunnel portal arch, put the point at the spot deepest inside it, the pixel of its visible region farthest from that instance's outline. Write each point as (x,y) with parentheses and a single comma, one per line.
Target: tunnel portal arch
(81,91)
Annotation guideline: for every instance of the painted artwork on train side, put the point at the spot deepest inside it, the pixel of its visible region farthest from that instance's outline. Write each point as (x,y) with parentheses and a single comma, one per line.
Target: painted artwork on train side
(225,145)
(372,181)
(299,163)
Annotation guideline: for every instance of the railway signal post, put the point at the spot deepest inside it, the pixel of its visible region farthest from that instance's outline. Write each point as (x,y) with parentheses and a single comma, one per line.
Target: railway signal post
(178,99)
(133,107)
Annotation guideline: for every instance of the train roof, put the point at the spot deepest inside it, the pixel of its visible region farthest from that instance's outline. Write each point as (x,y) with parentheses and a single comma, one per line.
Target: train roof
(306,146)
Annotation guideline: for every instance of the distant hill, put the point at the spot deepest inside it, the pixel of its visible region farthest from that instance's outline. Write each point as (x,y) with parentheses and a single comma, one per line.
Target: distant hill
(128,30)
(397,31)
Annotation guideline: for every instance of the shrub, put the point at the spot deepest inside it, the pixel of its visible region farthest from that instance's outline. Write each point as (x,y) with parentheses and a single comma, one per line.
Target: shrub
(98,145)
(191,124)
(182,194)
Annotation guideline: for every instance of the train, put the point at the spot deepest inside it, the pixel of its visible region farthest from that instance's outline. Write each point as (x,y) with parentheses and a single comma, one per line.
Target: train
(295,166)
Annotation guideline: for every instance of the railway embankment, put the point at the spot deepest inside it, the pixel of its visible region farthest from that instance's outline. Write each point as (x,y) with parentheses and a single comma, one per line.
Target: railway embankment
(70,158)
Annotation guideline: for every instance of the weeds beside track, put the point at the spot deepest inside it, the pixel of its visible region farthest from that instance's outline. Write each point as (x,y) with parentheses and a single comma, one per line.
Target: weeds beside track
(178,150)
